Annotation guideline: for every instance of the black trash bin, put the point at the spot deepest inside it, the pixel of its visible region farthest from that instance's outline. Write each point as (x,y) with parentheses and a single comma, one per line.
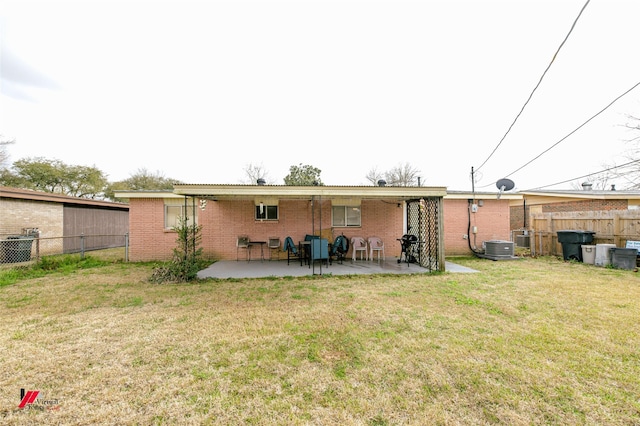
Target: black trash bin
(623,258)
(572,240)
(18,248)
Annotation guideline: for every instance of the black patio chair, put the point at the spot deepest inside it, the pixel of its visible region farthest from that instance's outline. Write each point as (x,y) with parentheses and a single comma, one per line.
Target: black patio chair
(292,251)
(340,248)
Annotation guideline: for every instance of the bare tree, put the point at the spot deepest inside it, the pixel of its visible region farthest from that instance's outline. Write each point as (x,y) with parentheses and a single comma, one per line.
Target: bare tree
(253,172)
(374,175)
(403,174)
(4,155)
(601,181)
(630,172)
(634,126)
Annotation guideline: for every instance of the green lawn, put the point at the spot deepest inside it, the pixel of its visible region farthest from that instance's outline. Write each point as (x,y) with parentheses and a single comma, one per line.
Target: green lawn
(534,341)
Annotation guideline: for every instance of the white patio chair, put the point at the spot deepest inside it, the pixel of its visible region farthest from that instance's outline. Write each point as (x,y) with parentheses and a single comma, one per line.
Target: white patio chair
(375,245)
(243,243)
(358,244)
(274,245)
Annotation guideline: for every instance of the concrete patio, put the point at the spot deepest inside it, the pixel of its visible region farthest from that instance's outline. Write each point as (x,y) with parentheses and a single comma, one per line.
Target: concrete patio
(279,268)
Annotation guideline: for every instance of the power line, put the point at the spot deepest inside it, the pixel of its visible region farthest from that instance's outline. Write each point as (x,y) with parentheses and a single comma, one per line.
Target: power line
(573,131)
(536,86)
(569,134)
(584,176)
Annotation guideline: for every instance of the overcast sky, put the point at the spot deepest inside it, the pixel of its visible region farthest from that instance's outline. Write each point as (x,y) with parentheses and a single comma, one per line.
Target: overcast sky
(199,90)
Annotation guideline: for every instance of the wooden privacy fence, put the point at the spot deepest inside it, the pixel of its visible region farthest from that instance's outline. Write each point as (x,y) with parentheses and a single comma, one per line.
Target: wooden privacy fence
(610,227)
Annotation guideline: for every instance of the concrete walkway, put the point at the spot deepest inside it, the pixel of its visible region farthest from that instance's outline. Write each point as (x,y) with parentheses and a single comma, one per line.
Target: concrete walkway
(279,268)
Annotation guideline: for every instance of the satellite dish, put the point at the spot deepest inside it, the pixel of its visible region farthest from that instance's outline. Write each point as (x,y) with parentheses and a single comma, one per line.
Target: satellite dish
(504,185)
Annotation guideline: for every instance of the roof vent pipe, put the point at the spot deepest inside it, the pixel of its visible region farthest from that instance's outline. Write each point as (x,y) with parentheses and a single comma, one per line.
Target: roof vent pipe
(613,187)
(382,182)
(261,181)
(586,186)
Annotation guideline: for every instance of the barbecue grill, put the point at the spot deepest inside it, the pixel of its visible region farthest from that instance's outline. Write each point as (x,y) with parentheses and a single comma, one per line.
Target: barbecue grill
(409,251)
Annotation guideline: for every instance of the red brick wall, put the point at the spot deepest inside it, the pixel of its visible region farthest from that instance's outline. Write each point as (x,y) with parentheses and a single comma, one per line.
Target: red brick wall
(585,206)
(518,216)
(223,221)
(150,241)
(492,221)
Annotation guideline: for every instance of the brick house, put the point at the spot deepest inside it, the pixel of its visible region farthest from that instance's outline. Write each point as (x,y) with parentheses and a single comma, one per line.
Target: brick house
(226,211)
(57,216)
(263,211)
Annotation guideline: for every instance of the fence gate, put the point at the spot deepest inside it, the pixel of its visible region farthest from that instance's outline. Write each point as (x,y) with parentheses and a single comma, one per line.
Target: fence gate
(424,220)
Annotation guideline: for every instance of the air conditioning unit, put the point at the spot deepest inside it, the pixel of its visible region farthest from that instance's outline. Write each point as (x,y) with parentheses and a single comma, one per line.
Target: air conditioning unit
(523,241)
(499,249)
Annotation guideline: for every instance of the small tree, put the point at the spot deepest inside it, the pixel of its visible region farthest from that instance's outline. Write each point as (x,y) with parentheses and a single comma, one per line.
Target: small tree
(187,255)
(142,179)
(303,176)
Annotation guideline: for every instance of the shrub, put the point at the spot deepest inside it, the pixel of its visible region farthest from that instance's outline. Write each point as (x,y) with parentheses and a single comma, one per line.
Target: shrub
(186,260)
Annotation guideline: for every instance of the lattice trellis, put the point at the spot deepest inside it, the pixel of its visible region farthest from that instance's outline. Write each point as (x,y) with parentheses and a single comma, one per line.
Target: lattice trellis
(424,221)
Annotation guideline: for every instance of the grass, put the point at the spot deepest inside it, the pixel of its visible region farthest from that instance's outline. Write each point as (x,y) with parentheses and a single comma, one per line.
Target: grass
(536,341)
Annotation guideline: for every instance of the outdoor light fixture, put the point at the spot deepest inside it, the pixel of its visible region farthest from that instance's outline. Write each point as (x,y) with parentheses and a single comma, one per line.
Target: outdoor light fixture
(203,203)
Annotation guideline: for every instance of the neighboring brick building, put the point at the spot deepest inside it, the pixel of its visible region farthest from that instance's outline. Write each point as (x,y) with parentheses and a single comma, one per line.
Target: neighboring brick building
(569,201)
(57,216)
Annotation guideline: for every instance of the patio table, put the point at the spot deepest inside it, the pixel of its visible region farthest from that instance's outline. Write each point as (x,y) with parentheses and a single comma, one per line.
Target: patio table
(304,247)
(256,243)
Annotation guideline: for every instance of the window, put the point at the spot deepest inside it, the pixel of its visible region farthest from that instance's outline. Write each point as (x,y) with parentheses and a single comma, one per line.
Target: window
(266,212)
(346,215)
(172,213)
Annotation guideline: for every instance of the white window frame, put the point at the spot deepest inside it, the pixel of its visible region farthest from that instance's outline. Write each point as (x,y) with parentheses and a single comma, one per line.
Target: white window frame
(341,212)
(267,209)
(171,219)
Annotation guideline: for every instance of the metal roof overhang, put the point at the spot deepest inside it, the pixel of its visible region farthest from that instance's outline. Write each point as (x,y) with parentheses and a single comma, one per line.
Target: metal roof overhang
(30,195)
(219,192)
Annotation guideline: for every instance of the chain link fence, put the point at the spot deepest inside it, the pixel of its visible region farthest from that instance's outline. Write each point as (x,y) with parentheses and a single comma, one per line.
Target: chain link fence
(31,247)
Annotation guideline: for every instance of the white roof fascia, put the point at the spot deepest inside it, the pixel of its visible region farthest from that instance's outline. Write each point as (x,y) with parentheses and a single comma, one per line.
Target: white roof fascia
(285,191)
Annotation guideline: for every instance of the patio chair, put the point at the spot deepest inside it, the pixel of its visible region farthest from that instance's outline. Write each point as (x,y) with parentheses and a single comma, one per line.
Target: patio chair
(340,248)
(243,243)
(376,245)
(292,250)
(274,245)
(319,250)
(358,244)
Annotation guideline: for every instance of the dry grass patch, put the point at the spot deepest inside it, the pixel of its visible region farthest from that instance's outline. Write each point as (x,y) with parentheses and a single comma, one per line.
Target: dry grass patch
(537,341)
